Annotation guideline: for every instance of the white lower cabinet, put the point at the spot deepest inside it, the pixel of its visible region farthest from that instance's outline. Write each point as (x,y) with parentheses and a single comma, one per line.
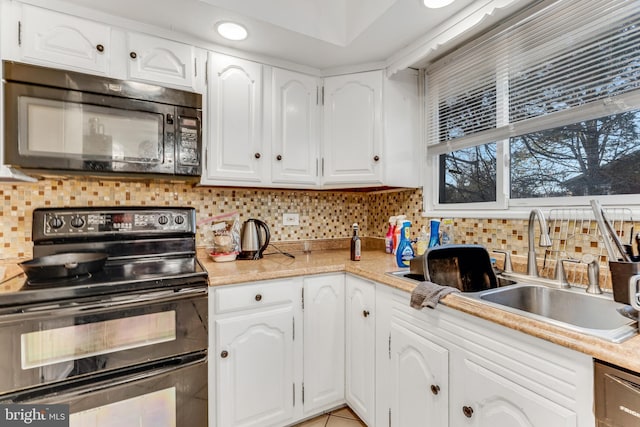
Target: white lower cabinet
(277,350)
(485,397)
(255,368)
(256,357)
(360,347)
(323,308)
(446,368)
(288,349)
(419,375)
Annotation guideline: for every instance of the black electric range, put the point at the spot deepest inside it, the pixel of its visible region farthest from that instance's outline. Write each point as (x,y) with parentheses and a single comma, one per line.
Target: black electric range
(147,247)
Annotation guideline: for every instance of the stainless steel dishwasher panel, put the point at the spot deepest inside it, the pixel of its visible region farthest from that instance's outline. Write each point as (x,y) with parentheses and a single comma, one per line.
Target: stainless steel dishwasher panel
(617,396)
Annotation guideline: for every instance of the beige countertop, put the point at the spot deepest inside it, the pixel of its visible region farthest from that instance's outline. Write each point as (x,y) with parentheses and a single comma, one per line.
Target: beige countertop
(375,264)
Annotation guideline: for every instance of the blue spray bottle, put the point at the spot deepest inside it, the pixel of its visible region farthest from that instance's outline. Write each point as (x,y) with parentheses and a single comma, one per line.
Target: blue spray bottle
(435,233)
(404,253)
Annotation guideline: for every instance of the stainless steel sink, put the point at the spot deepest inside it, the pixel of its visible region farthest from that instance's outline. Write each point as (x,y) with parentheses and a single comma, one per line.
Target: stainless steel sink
(596,315)
(573,309)
(407,275)
(412,277)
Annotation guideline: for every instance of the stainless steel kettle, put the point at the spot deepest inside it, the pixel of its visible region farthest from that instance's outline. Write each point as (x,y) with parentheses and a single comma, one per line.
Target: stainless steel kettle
(252,243)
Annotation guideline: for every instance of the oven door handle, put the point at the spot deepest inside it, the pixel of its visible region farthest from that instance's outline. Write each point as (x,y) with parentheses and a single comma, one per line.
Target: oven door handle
(70,307)
(61,394)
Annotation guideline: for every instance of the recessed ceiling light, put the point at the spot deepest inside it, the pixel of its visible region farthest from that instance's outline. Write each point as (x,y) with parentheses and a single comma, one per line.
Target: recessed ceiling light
(231,31)
(435,4)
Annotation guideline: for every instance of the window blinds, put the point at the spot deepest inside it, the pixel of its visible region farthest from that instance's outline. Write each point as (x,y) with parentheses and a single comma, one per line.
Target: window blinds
(563,60)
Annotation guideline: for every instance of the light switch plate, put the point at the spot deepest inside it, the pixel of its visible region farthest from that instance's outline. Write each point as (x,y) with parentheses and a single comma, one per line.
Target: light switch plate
(290,219)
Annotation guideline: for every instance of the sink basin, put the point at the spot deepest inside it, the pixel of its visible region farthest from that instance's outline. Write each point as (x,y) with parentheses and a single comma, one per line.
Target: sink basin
(407,275)
(596,315)
(573,309)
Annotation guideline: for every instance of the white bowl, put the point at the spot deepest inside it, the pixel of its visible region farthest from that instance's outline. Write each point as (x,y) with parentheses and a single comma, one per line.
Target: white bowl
(223,257)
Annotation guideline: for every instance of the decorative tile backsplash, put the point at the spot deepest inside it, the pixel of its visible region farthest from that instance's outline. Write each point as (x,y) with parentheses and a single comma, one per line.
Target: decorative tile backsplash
(324,215)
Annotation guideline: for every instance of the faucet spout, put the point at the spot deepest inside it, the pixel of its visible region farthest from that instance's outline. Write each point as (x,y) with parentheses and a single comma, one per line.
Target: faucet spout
(545,240)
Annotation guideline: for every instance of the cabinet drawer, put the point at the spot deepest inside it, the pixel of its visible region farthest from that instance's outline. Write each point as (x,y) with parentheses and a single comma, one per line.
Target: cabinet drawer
(255,296)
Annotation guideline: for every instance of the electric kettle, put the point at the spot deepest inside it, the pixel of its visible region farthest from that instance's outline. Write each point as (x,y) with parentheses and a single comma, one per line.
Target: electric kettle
(252,243)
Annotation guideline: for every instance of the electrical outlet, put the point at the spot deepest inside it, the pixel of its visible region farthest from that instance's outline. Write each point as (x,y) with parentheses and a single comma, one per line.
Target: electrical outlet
(290,219)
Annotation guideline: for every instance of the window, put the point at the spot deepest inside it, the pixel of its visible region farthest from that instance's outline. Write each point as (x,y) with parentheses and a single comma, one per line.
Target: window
(543,110)
(588,158)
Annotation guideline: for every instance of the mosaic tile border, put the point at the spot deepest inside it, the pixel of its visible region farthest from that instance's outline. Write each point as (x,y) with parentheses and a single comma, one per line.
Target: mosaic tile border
(325,216)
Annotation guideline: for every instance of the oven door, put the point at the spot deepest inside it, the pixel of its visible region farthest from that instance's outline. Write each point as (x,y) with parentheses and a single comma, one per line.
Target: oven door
(76,338)
(52,128)
(169,395)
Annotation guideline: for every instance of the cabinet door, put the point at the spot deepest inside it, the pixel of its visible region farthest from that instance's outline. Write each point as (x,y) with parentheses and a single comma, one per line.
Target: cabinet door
(323,342)
(420,378)
(352,137)
(64,41)
(484,398)
(295,133)
(158,60)
(255,369)
(360,348)
(235,151)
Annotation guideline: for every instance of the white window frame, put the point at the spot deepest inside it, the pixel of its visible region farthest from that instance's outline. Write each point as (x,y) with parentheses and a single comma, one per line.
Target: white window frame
(505,207)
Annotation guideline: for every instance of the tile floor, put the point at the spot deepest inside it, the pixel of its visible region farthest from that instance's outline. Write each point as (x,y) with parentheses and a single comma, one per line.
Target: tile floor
(343,417)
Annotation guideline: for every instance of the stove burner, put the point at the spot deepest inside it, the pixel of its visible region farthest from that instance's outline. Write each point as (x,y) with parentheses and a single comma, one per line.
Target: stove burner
(62,281)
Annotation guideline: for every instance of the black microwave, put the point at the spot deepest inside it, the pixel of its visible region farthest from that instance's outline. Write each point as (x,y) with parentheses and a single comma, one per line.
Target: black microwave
(69,121)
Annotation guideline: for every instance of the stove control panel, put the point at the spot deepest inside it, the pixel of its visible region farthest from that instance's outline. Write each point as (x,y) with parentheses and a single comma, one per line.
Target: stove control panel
(69,222)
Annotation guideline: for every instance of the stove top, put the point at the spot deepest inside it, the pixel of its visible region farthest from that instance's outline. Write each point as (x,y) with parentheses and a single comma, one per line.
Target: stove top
(148,248)
(115,277)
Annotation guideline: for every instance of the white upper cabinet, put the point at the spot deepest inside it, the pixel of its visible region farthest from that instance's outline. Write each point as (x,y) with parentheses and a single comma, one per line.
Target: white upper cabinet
(294,128)
(235,149)
(371,130)
(157,60)
(58,40)
(352,139)
(64,41)
(267,129)
(265,126)
(401,158)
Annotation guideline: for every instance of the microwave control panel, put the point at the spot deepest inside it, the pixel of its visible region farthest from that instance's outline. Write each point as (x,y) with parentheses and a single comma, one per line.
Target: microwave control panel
(188,141)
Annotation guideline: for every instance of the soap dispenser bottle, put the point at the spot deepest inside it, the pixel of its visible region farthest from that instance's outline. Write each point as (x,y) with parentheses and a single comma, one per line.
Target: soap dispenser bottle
(398,232)
(404,253)
(388,238)
(435,233)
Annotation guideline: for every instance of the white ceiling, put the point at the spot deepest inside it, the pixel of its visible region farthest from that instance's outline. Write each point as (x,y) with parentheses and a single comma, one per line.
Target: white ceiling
(322,34)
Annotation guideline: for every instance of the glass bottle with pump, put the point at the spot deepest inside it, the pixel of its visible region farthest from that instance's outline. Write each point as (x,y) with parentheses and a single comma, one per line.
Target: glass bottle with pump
(423,241)
(355,244)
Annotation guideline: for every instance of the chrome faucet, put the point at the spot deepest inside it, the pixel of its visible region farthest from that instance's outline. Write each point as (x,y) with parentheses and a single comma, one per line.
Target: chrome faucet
(545,241)
(593,273)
